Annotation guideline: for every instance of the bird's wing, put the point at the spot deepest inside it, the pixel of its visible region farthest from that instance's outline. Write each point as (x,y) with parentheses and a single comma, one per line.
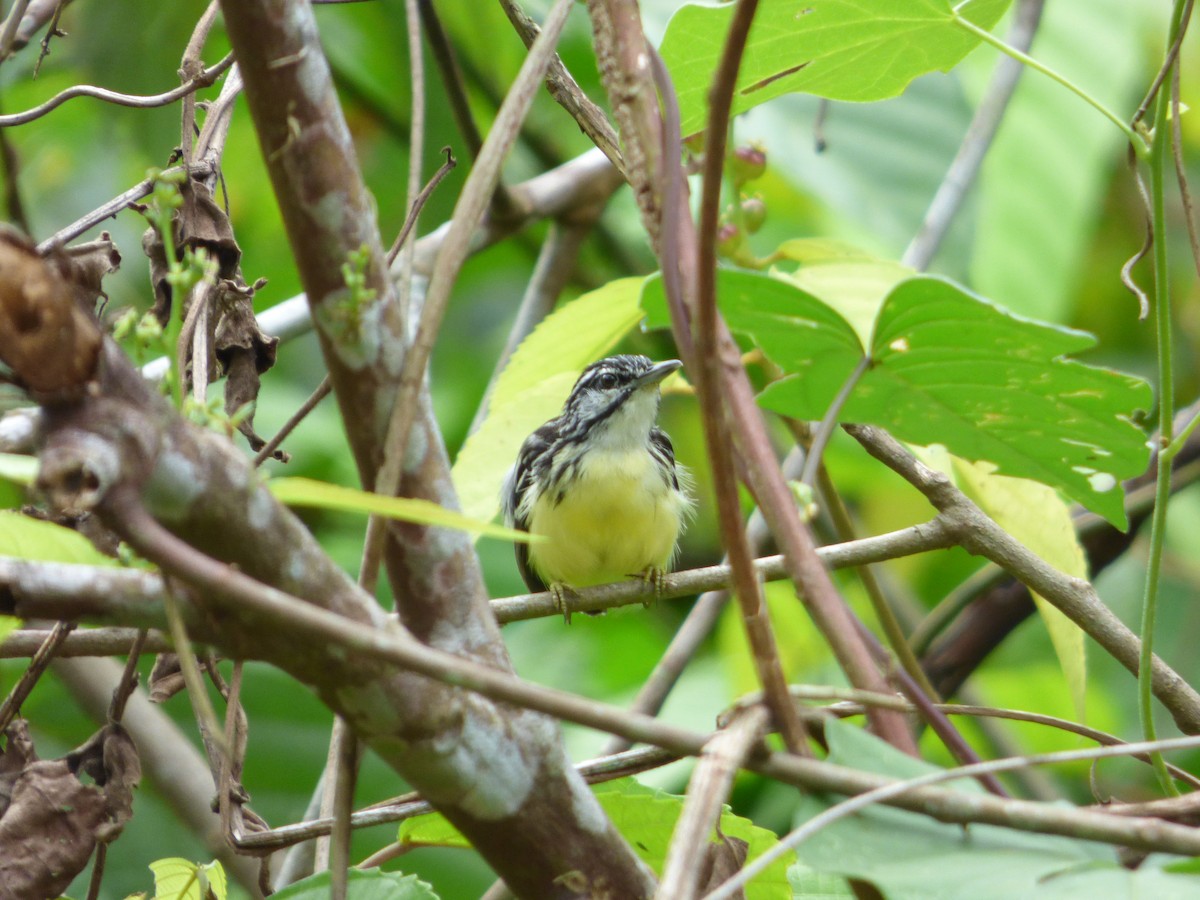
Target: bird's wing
(664,452)
(522,478)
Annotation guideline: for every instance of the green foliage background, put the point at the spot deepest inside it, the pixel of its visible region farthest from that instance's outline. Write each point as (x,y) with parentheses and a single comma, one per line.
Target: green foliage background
(1045,233)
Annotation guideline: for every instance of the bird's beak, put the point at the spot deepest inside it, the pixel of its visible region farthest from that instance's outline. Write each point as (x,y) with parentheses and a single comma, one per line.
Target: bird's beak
(657,372)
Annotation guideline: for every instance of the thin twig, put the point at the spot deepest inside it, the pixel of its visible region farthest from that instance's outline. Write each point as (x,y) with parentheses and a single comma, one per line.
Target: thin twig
(1166,66)
(320,393)
(829,422)
(189,67)
(88,642)
(414,197)
(129,679)
(890,791)
(343,807)
(97,872)
(706,376)
(410,805)
(452,80)
(21,690)
(51,33)
(42,590)
(234,734)
(854,701)
(707,791)
(567,93)
(414,209)
(9,29)
(136,101)
(108,210)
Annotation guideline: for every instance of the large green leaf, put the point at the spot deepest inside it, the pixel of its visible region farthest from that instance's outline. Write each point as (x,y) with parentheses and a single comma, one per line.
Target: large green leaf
(646,818)
(950,368)
(859,50)
(904,854)
(534,384)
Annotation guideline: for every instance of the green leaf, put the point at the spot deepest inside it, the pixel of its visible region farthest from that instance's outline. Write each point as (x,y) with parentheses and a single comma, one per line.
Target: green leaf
(1037,517)
(321,494)
(858,50)
(855,288)
(361,884)
(646,818)
(181,879)
(903,853)
(23,537)
(950,368)
(534,384)
(18,469)
(430,830)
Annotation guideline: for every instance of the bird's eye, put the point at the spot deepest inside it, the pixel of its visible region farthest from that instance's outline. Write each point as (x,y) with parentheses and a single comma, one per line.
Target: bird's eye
(607,381)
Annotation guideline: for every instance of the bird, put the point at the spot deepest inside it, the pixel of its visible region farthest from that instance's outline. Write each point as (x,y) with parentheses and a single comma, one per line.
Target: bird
(600,485)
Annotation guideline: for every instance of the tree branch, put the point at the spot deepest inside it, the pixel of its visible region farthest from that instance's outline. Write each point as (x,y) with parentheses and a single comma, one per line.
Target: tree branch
(1074,597)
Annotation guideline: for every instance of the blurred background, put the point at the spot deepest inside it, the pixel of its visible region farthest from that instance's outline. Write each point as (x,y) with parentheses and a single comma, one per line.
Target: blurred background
(1045,232)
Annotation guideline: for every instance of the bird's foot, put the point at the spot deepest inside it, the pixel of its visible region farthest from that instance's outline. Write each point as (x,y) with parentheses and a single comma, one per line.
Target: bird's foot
(655,577)
(560,591)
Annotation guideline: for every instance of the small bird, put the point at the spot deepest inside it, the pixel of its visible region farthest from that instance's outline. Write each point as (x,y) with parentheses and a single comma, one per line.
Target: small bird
(600,484)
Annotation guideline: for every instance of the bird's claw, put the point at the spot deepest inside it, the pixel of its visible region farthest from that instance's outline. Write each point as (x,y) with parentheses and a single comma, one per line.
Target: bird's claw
(560,592)
(657,578)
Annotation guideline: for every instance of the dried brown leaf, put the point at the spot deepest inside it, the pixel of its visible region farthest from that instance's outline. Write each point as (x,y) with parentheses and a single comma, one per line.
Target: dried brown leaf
(85,265)
(54,819)
(51,345)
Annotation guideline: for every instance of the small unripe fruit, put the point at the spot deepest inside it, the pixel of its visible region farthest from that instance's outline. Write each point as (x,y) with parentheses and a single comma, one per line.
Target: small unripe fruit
(747,163)
(754,213)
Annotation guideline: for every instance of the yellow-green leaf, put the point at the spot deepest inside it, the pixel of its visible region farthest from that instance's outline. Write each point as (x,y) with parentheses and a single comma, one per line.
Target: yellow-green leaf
(320,494)
(18,469)
(181,879)
(23,537)
(534,384)
(1039,518)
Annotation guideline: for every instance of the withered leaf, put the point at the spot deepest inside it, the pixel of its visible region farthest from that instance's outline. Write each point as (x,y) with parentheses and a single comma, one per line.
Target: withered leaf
(244,352)
(17,754)
(200,223)
(85,265)
(166,678)
(723,858)
(54,819)
(51,345)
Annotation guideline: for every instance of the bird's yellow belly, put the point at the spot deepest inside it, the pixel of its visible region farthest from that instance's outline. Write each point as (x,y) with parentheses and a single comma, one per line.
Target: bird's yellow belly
(618,518)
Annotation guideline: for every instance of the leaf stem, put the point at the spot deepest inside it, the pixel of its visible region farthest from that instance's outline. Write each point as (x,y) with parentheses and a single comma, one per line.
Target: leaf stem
(1136,140)
(1166,407)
